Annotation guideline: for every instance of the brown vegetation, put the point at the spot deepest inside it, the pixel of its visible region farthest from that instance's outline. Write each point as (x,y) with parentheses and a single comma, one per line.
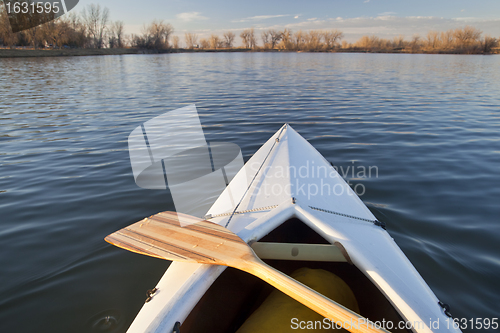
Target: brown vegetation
(175,42)
(90,30)
(229,39)
(248,38)
(95,20)
(461,40)
(191,40)
(204,43)
(116,35)
(154,36)
(215,42)
(314,40)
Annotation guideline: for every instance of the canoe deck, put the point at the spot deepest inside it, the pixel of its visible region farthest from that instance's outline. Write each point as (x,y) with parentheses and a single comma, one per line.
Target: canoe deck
(268,200)
(235,295)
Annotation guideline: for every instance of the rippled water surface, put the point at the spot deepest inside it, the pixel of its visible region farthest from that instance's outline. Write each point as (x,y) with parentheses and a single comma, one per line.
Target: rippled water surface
(429,123)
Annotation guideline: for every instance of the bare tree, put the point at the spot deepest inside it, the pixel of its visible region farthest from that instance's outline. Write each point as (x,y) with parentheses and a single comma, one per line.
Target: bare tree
(245,37)
(95,19)
(314,40)
(6,35)
(386,44)
(286,40)
(29,22)
(34,36)
(154,36)
(175,42)
(248,38)
(433,40)
(363,42)
(299,39)
(369,43)
(73,20)
(415,43)
(214,41)
(332,37)
(229,39)
(275,37)
(398,41)
(204,43)
(446,38)
(160,33)
(266,39)
(252,39)
(467,36)
(101,27)
(77,35)
(55,32)
(466,40)
(116,35)
(489,43)
(191,39)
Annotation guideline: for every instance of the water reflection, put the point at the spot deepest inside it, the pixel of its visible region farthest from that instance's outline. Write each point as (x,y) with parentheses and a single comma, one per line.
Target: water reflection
(428,122)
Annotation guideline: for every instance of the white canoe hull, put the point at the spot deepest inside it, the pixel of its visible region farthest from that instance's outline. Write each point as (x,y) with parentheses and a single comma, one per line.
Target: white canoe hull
(287,167)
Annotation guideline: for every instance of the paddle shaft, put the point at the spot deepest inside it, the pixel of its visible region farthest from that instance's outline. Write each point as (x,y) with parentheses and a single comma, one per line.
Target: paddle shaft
(329,309)
(162,236)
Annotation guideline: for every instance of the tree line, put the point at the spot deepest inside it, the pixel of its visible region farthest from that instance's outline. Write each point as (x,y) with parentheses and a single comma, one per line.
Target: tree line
(461,40)
(313,40)
(92,28)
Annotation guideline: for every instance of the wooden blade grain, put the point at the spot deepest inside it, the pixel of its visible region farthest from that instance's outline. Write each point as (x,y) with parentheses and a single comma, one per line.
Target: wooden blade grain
(162,236)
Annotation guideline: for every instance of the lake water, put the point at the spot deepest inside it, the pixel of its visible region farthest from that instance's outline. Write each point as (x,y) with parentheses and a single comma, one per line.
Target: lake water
(429,123)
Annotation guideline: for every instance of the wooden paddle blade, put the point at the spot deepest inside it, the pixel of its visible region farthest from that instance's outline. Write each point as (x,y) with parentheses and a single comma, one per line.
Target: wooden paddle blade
(162,236)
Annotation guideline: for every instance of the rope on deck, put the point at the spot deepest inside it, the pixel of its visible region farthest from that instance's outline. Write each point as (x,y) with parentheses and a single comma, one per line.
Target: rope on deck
(376,222)
(210,216)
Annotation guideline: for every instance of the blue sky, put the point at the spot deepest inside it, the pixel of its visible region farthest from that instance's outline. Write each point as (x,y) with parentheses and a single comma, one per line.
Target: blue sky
(384,18)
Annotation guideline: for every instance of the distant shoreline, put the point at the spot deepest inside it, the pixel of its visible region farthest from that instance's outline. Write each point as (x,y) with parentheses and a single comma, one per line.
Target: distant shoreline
(30,53)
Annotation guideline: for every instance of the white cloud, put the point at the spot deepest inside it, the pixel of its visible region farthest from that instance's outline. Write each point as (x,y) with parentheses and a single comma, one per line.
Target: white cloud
(355,27)
(466,19)
(312,19)
(261,17)
(296,17)
(387,14)
(190,16)
(366,1)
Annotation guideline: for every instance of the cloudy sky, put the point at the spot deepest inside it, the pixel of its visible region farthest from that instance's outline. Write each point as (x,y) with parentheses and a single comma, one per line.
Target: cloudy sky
(384,18)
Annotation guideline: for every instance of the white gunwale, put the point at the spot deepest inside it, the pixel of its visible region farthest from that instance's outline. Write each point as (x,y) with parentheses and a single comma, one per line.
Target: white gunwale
(370,248)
